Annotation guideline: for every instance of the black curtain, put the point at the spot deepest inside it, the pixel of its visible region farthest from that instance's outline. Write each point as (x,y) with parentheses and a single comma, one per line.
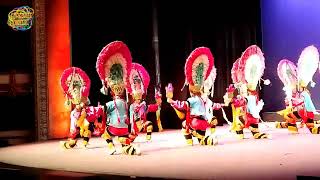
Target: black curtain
(16,57)
(227,28)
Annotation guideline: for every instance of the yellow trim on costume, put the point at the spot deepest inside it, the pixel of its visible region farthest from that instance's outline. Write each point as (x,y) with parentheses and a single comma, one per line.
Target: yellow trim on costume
(130,150)
(212,130)
(149,127)
(315,130)
(159,120)
(180,114)
(293,129)
(139,124)
(124,140)
(197,135)
(236,123)
(189,142)
(185,132)
(213,121)
(106,135)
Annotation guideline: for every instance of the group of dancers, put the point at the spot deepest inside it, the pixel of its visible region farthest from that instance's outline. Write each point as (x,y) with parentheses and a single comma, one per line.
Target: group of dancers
(126,115)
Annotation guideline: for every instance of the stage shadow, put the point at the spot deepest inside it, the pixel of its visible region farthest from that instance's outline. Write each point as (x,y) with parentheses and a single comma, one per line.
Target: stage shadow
(9,172)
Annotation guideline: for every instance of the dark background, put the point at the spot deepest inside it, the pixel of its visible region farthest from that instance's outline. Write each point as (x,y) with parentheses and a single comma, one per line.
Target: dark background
(16,50)
(227,28)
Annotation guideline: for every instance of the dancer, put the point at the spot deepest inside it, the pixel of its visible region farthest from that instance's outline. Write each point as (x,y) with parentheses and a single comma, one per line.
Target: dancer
(113,66)
(76,86)
(247,105)
(139,81)
(254,65)
(307,66)
(197,69)
(287,73)
(235,97)
(158,97)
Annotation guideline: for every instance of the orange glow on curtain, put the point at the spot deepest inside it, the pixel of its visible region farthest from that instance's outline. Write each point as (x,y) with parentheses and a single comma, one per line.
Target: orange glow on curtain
(58,47)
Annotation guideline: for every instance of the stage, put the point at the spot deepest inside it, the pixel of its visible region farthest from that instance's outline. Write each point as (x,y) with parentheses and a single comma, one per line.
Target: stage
(166,156)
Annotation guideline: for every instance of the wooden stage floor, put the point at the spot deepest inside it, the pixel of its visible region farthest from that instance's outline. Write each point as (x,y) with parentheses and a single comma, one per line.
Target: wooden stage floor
(285,156)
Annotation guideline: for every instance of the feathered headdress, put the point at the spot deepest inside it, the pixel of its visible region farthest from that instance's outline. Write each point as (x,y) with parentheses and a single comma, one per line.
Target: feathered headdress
(139,79)
(208,86)
(307,66)
(252,60)
(113,66)
(287,72)
(198,67)
(237,73)
(75,78)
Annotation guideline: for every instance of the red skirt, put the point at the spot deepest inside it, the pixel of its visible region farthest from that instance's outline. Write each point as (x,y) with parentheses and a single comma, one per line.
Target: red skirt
(305,115)
(118,131)
(199,124)
(250,120)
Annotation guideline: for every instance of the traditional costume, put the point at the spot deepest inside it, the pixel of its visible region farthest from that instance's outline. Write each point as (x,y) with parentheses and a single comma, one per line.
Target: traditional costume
(139,81)
(158,97)
(307,66)
(197,69)
(243,96)
(287,72)
(113,66)
(76,86)
(236,99)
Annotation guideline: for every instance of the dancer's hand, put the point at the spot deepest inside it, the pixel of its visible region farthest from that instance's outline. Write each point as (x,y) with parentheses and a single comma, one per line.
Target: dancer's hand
(158,101)
(169,100)
(169,91)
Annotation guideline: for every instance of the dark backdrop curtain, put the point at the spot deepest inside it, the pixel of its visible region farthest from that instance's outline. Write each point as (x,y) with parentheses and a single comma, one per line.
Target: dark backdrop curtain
(182,27)
(16,57)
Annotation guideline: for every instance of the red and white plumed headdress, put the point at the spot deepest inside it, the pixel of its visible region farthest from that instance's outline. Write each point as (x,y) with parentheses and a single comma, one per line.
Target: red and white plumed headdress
(237,73)
(198,67)
(287,72)
(307,65)
(139,79)
(253,61)
(75,77)
(113,66)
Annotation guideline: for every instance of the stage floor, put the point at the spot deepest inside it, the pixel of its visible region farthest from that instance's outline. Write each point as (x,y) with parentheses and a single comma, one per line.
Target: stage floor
(284,156)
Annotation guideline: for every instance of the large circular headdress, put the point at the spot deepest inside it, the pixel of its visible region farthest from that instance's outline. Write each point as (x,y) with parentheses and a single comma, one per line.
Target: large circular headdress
(253,60)
(74,77)
(198,67)
(139,79)
(287,72)
(113,66)
(307,65)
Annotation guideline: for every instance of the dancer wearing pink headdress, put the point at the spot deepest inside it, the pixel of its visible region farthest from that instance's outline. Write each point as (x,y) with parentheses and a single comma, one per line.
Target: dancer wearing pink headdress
(236,98)
(76,86)
(113,66)
(139,81)
(243,96)
(307,66)
(287,72)
(197,69)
